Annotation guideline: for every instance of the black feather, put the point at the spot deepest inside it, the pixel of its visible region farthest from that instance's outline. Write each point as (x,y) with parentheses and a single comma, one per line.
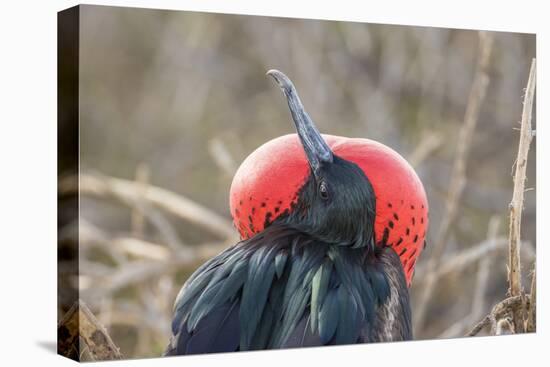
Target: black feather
(329,316)
(261,270)
(302,336)
(218,332)
(289,291)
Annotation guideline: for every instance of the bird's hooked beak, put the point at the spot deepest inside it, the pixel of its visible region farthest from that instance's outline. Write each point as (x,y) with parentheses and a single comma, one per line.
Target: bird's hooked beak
(315,147)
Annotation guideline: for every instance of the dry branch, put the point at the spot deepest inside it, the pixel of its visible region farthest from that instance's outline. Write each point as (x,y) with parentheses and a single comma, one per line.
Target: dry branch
(499,311)
(81,337)
(131,193)
(158,259)
(465,258)
(142,181)
(89,235)
(478,302)
(427,146)
(118,247)
(483,272)
(140,248)
(139,271)
(163,226)
(516,205)
(503,327)
(220,153)
(154,260)
(531,324)
(458,175)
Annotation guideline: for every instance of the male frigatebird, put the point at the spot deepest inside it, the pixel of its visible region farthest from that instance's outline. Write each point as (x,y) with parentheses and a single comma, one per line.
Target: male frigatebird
(331,229)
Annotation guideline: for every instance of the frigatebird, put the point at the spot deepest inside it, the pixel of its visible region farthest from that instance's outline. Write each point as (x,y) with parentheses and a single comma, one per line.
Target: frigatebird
(331,229)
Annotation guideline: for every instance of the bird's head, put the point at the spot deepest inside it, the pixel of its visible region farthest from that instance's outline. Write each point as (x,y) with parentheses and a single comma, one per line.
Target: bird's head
(347,192)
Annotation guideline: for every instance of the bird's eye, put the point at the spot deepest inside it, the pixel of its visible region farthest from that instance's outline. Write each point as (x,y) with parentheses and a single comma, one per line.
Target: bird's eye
(323,190)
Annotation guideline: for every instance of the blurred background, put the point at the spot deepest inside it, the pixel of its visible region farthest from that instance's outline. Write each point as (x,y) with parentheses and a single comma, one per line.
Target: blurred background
(171,102)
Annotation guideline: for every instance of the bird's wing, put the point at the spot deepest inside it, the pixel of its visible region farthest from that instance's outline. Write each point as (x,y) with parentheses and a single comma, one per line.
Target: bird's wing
(228,303)
(206,311)
(286,293)
(393,319)
(217,332)
(355,301)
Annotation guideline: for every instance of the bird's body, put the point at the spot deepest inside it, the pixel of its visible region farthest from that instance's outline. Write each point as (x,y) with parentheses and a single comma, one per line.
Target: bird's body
(283,289)
(329,243)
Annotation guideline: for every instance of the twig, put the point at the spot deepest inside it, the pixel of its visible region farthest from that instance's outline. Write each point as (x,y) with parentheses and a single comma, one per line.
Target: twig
(504,326)
(175,204)
(154,216)
(455,329)
(93,268)
(500,310)
(458,175)
(429,144)
(82,337)
(159,261)
(133,316)
(479,326)
(140,248)
(494,324)
(478,302)
(89,234)
(532,313)
(516,205)
(219,152)
(140,271)
(137,219)
(462,259)
(117,246)
(164,228)
(104,313)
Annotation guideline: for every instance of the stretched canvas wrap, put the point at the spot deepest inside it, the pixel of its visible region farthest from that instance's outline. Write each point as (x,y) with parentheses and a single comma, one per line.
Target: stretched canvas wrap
(230,183)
